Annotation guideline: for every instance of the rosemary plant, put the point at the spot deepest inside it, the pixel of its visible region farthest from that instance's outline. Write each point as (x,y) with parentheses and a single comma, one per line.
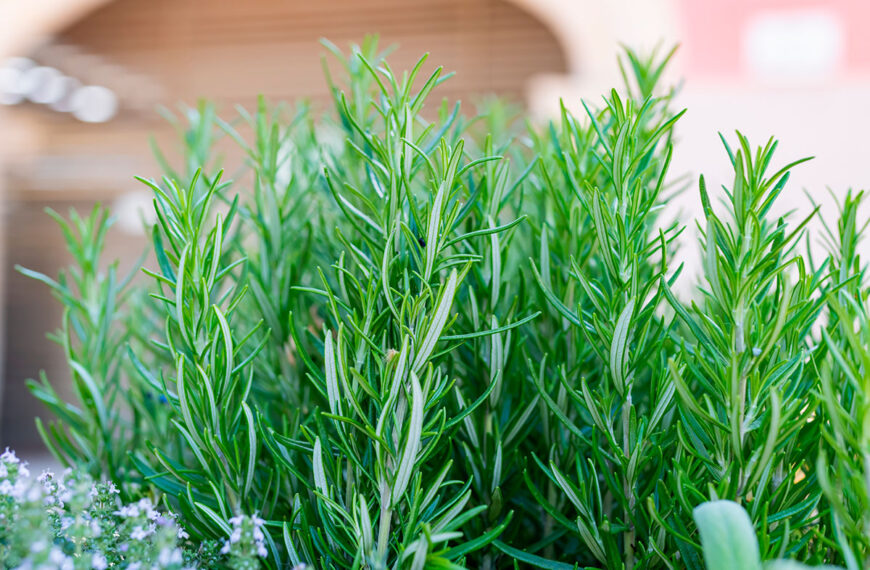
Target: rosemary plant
(406,337)
(614,171)
(744,381)
(843,463)
(86,433)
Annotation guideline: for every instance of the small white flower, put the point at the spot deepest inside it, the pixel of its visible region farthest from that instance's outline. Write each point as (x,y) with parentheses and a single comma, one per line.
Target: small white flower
(15,491)
(64,494)
(4,471)
(168,557)
(147,507)
(99,562)
(256,533)
(60,560)
(182,534)
(128,511)
(140,533)
(9,457)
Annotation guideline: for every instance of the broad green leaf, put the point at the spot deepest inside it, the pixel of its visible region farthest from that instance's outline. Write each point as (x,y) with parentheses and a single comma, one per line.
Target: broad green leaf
(727,536)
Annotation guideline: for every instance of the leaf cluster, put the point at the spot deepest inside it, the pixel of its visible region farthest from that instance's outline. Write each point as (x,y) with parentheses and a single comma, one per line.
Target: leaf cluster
(410,338)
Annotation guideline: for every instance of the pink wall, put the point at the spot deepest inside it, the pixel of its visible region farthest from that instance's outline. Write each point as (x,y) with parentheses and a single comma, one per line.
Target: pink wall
(713,32)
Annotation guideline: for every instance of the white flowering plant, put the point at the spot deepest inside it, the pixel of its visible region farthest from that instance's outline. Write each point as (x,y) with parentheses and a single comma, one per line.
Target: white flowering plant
(407,338)
(71,522)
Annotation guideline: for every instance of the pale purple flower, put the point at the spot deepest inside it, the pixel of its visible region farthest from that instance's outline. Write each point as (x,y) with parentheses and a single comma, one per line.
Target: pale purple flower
(66,522)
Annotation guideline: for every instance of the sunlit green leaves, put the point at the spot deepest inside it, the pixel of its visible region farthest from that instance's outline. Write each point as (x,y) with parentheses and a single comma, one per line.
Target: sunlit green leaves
(609,368)
(745,391)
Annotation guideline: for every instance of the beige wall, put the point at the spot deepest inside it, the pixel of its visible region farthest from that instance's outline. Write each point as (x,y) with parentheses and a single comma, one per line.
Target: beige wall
(24,24)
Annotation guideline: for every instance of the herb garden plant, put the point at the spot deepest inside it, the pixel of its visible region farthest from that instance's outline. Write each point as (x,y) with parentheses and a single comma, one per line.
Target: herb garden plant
(410,338)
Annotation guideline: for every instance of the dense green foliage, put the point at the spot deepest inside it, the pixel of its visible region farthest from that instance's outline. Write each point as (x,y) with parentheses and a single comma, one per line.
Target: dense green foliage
(406,338)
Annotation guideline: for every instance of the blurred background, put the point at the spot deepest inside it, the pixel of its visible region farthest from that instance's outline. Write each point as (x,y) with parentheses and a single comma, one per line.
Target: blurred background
(80,81)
